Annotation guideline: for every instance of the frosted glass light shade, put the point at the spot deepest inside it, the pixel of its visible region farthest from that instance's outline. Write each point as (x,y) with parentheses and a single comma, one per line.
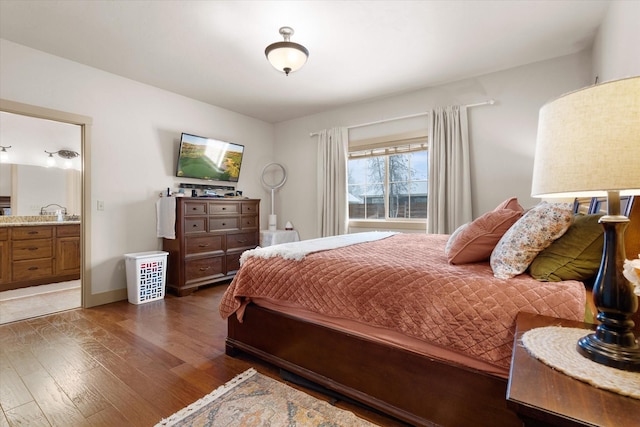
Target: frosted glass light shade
(287,56)
(589,142)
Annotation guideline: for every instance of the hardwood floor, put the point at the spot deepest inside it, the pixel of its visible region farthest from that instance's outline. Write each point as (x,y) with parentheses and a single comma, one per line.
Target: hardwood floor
(121,364)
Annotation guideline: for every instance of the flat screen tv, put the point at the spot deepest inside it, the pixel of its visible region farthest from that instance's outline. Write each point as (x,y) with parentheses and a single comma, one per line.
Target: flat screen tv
(208,159)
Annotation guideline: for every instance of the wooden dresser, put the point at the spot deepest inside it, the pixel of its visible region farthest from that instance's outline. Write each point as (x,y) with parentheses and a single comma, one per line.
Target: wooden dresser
(211,234)
(38,254)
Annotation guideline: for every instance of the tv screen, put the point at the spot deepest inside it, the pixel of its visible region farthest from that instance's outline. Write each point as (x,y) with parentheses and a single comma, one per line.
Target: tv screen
(209,159)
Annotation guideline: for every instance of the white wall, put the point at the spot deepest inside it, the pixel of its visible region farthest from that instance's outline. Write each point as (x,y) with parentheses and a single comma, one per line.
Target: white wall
(502,136)
(135,135)
(616,51)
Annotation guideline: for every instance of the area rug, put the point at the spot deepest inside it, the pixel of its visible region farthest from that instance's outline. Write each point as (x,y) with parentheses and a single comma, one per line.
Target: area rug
(252,399)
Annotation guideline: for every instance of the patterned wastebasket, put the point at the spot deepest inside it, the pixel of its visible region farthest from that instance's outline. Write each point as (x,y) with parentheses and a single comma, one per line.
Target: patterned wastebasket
(146,275)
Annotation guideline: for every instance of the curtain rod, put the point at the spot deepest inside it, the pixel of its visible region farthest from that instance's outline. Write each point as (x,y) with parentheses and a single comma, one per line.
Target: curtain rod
(489,102)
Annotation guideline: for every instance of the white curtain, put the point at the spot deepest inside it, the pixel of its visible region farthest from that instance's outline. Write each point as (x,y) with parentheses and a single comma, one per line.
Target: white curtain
(449,202)
(332,182)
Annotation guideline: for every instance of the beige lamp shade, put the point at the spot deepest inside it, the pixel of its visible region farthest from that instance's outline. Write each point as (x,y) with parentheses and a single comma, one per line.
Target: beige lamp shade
(589,142)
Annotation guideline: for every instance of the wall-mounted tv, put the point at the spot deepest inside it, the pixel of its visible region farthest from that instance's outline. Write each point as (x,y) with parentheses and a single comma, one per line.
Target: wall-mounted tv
(209,159)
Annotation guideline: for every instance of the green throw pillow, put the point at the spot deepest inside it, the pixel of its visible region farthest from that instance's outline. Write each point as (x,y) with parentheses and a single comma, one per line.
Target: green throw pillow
(575,255)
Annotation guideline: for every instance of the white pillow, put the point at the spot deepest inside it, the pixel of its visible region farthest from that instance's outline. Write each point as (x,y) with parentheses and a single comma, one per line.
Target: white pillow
(532,233)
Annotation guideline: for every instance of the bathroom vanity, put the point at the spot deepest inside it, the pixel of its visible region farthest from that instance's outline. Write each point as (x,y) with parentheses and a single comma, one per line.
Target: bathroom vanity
(38,252)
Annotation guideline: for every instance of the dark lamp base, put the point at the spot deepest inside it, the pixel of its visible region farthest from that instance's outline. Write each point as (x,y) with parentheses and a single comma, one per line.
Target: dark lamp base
(613,343)
(613,355)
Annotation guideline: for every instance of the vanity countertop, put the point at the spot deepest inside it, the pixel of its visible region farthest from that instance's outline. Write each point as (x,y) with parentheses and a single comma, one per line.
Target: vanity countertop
(22,221)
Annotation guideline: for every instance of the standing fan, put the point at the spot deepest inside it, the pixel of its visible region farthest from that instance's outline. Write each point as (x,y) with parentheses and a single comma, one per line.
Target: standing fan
(274,175)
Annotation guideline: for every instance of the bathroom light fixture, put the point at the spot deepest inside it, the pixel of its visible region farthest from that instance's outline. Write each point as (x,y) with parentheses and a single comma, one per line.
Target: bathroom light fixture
(65,154)
(4,155)
(51,161)
(286,56)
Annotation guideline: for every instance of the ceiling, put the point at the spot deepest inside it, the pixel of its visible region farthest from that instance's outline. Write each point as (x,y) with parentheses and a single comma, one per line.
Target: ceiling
(213,51)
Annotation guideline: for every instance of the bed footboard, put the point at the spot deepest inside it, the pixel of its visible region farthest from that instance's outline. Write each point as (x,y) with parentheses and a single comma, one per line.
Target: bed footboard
(403,384)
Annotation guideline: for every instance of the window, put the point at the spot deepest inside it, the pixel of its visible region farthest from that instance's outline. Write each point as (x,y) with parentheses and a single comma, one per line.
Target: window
(388,183)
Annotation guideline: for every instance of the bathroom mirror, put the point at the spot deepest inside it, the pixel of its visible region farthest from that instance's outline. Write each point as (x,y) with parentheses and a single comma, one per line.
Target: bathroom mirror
(27,182)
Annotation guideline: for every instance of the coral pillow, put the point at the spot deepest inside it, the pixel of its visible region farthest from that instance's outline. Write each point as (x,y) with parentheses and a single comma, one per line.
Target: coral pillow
(475,241)
(511,204)
(532,233)
(574,256)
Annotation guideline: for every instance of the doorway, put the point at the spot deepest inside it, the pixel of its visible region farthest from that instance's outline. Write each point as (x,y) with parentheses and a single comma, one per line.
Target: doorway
(32,301)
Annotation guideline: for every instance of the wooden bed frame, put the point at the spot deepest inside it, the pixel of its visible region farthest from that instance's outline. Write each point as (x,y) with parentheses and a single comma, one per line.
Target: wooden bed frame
(414,388)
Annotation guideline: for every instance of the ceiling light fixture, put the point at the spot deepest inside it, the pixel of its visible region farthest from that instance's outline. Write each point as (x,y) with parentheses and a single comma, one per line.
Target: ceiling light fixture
(4,155)
(286,56)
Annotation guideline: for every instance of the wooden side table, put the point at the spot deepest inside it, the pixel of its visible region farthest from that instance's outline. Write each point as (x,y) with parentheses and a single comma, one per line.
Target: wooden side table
(542,396)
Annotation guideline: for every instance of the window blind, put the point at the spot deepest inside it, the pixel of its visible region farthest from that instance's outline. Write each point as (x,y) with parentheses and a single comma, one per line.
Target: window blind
(385,151)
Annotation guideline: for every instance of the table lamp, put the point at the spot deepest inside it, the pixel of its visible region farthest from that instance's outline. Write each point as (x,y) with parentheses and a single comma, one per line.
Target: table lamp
(588,145)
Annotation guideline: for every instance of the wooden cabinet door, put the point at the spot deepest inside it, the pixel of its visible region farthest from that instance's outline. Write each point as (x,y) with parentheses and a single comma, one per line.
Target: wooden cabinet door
(67,255)
(5,272)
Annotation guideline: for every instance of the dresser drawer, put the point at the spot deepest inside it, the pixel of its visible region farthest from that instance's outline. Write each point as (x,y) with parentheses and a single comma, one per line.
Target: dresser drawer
(31,249)
(249,222)
(198,269)
(203,244)
(241,240)
(23,233)
(195,225)
(68,230)
(249,207)
(4,233)
(224,224)
(195,208)
(233,262)
(223,208)
(32,269)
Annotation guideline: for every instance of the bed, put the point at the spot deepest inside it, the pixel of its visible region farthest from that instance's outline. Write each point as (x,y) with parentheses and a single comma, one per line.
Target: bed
(390,322)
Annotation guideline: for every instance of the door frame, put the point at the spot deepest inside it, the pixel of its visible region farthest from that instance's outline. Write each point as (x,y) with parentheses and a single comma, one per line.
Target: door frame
(85,124)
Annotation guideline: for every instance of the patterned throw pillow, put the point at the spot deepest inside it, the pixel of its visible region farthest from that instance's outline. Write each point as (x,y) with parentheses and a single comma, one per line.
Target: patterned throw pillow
(532,233)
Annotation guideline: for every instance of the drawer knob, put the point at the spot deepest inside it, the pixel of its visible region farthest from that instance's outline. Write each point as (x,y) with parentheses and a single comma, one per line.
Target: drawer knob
(194,225)
(32,249)
(32,232)
(242,241)
(224,223)
(32,268)
(204,268)
(203,245)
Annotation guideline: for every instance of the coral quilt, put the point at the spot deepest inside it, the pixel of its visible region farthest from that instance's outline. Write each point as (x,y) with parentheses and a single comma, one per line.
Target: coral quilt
(405,284)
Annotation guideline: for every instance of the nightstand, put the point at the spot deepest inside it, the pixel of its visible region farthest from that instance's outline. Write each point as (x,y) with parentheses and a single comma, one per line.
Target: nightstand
(274,237)
(542,396)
